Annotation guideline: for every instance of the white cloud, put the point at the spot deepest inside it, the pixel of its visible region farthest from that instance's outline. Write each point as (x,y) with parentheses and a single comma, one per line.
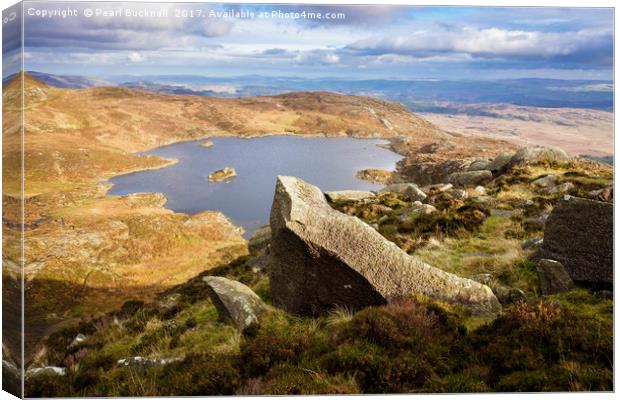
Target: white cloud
(486,43)
(136,57)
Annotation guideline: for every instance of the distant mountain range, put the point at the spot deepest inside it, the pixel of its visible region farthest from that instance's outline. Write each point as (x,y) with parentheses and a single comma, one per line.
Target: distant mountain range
(446,97)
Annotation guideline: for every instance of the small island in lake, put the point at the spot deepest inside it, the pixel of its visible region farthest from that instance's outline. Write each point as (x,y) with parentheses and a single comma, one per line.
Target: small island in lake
(223,175)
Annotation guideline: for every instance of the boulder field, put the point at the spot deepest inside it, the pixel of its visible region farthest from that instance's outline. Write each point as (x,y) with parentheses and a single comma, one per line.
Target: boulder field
(322,259)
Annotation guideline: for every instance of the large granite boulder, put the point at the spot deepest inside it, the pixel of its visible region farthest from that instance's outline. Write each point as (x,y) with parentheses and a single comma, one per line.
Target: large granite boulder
(470,178)
(579,234)
(322,258)
(235,302)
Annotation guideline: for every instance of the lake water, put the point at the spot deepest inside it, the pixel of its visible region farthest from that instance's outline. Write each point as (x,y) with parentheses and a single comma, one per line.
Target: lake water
(329,163)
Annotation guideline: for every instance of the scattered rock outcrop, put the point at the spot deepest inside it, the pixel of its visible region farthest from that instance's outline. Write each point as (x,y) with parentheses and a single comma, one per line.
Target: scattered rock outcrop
(553,277)
(235,302)
(470,178)
(322,258)
(579,234)
(223,175)
(349,195)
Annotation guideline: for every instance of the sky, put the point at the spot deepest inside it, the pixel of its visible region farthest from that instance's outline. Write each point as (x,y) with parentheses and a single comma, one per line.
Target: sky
(369,42)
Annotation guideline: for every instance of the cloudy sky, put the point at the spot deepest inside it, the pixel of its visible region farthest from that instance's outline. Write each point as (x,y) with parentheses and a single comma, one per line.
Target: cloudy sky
(369,42)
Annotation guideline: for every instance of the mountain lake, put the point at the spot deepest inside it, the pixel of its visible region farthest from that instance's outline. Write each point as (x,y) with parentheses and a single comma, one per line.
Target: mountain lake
(329,163)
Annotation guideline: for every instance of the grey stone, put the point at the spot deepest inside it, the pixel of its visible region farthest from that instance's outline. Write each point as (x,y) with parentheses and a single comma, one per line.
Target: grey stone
(553,277)
(48,370)
(579,234)
(416,209)
(545,182)
(322,258)
(480,190)
(409,190)
(531,243)
(458,194)
(79,338)
(349,195)
(260,239)
(500,163)
(479,165)
(235,301)
(534,155)
(440,187)
(605,194)
(561,188)
(143,363)
(507,295)
(470,178)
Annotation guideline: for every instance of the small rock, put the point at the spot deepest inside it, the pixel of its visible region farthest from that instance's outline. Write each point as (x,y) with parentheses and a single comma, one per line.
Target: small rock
(78,339)
(507,295)
(260,239)
(500,163)
(49,370)
(470,178)
(531,243)
(207,143)
(416,209)
(535,223)
(561,188)
(349,195)
(545,182)
(605,194)
(235,301)
(480,190)
(144,363)
(223,175)
(377,175)
(553,277)
(440,187)
(458,194)
(410,190)
(479,165)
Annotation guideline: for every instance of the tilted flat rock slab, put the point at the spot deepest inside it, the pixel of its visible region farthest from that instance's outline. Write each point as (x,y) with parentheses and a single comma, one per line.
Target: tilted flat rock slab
(579,233)
(235,302)
(322,258)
